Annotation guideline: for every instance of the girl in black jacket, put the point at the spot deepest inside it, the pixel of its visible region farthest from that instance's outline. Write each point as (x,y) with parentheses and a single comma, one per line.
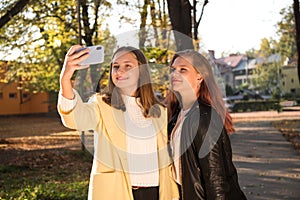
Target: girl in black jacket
(199,126)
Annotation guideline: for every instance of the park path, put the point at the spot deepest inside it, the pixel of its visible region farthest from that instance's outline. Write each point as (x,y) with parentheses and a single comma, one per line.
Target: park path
(268,165)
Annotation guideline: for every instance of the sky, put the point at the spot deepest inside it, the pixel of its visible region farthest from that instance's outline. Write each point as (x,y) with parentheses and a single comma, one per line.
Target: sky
(232,26)
(239,25)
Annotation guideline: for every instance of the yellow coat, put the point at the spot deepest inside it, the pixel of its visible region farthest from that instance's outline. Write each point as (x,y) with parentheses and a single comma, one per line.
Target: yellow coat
(109,178)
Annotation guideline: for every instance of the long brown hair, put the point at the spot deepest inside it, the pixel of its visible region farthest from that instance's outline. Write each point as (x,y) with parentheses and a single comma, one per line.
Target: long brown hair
(207,86)
(148,100)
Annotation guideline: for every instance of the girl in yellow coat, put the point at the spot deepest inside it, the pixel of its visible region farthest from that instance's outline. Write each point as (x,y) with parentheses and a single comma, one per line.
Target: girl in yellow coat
(131,159)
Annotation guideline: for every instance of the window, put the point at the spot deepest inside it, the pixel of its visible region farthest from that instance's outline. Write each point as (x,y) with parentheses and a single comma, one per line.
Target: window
(12,95)
(1,95)
(292,80)
(227,78)
(238,82)
(293,90)
(25,95)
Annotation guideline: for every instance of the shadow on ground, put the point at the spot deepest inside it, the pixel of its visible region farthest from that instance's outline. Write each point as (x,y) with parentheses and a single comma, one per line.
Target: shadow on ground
(268,165)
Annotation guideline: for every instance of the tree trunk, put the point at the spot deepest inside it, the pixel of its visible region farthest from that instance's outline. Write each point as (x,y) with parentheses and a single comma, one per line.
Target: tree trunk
(88,39)
(153,21)
(197,22)
(142,33)
(297,24)
(181,20)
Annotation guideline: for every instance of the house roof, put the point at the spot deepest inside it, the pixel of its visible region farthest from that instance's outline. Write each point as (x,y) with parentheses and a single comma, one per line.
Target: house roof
(233,60)
(274,58)
(252,63)
(241,62)
(241,66)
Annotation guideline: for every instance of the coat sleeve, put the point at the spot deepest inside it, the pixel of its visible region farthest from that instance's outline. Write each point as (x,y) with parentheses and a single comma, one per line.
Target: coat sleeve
(84,116)
(212,159)
(213,173)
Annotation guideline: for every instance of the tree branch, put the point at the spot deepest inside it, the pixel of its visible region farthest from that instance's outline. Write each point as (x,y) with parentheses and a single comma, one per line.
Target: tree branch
(202,11)
(18,7)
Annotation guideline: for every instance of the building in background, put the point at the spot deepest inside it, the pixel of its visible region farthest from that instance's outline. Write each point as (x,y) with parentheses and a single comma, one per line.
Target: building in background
(289,79)
(237,71)
(234,69)
(14,100)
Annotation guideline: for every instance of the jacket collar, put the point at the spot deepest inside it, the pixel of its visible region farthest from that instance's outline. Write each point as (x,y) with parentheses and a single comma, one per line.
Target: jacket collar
(199,105)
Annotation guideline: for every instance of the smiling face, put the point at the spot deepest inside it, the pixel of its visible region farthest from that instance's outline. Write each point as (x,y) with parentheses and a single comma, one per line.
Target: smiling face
(184,78)
(125,72)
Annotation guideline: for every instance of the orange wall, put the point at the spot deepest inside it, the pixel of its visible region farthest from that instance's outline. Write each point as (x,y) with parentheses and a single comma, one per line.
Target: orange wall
(34,103)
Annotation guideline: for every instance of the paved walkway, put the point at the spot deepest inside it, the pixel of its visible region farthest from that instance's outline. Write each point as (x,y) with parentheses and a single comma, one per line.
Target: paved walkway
(268,166)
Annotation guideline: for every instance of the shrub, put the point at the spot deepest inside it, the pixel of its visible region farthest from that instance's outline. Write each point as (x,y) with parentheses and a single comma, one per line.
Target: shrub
(258,105)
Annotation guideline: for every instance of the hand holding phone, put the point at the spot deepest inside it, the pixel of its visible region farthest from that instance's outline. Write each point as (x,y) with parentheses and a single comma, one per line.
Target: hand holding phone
(96,55)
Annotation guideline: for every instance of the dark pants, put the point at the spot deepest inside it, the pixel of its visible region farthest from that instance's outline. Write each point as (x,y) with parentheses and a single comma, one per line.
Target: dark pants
(180,190)
(148,193)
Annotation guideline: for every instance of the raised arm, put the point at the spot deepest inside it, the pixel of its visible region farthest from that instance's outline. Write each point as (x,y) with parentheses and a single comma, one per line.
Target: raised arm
(82,117)
(70,66)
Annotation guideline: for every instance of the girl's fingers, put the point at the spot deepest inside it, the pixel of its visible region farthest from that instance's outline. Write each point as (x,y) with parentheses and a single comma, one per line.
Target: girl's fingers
(76,59)
(77,54)
(78,51)
(73,49)
(83,66)
(72,60)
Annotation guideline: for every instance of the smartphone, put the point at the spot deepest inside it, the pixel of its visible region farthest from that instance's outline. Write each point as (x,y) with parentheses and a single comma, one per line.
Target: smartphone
(96,55)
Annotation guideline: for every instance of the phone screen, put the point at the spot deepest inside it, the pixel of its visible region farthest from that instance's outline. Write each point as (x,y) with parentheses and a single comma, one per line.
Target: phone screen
(96,55)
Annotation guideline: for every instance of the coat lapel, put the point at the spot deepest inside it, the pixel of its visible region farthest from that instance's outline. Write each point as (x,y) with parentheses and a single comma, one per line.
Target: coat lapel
(160,125)
(115,133)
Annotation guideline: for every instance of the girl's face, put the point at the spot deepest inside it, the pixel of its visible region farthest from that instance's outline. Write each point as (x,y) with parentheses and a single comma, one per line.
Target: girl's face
(125,72)
(184,78)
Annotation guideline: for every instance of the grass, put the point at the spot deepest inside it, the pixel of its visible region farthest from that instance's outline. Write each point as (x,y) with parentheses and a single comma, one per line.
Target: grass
(40,183)
(41,160)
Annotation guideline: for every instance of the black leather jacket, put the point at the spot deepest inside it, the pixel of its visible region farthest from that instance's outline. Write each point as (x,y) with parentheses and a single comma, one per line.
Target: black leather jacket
(208,172)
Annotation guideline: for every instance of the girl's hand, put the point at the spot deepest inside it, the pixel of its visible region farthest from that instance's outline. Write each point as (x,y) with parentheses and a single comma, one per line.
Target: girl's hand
(72,60)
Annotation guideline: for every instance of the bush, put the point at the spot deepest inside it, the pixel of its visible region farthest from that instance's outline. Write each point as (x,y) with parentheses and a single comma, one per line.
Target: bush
(258,105)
